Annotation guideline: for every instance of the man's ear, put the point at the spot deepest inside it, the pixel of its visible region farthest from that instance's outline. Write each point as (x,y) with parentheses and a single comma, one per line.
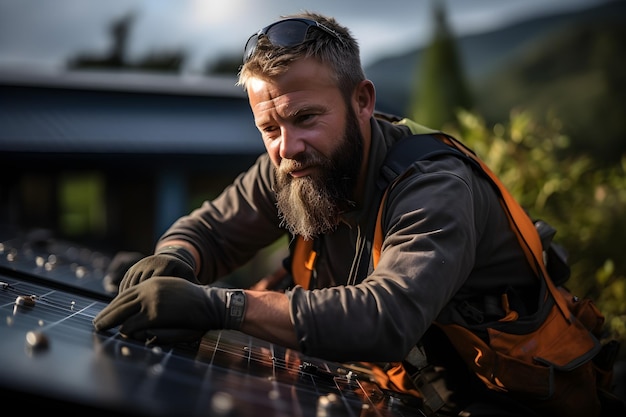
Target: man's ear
(364,100)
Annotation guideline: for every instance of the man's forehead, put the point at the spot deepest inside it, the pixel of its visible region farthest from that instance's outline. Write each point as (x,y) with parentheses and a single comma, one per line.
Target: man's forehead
(286,105)
(288,96)
(300,73)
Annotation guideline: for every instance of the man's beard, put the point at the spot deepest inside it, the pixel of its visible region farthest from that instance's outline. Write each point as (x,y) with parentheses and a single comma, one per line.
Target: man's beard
(312,205)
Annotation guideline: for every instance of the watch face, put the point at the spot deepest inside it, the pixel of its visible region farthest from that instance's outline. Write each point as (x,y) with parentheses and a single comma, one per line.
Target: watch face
(237,304)
(235,309)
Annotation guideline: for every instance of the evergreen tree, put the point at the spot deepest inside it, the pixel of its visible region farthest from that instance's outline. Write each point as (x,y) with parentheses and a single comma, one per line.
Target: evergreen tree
(440,90)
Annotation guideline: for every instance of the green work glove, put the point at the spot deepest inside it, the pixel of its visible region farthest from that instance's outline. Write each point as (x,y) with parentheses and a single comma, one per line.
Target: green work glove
(167,310)
(170,261)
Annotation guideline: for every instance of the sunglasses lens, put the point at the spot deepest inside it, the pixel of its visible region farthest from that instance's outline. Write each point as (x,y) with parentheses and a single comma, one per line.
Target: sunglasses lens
(283,33)
(250,47)
(287,33)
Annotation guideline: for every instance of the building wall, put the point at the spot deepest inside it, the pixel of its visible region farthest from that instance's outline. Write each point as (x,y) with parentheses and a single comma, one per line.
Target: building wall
(113,163)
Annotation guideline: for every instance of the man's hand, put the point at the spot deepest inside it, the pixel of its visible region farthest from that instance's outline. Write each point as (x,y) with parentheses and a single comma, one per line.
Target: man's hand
(170,310)
(163,263)
(118,267)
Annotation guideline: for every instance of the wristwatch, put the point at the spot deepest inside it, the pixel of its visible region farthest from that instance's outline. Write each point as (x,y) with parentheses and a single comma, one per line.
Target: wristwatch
(235,308)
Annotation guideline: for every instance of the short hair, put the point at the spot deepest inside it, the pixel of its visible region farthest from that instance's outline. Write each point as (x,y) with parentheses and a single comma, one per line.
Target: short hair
(341,53)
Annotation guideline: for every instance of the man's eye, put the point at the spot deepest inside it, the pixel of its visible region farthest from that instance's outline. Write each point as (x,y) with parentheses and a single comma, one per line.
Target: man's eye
(270,133)
(303,118)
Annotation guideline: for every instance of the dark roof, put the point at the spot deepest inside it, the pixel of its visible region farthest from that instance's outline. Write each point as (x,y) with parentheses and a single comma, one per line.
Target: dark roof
(98,112)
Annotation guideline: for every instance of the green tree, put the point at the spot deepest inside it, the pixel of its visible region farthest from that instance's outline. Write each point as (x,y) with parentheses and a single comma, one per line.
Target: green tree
(440,88)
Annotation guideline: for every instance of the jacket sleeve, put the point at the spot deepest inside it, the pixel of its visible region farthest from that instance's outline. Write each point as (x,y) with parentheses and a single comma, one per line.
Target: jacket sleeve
(229,230)
(431,230)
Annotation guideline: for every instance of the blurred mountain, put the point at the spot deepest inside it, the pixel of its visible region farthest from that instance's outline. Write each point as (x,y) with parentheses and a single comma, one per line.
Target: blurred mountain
(569,64)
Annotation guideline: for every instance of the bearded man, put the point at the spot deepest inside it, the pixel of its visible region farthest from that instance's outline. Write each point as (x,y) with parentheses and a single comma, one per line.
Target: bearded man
(446,241)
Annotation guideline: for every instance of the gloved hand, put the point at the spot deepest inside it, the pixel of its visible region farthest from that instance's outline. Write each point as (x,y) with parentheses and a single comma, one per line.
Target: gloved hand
(168,310)
(117,269)
(171,261)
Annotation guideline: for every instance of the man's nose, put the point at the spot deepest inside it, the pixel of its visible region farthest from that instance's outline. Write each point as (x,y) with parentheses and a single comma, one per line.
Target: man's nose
(292,143)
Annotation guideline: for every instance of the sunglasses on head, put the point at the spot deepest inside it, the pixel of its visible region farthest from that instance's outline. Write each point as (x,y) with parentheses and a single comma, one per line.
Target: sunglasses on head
(287,32)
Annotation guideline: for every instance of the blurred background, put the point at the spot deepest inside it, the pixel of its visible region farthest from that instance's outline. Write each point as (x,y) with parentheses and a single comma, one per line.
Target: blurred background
(117,117)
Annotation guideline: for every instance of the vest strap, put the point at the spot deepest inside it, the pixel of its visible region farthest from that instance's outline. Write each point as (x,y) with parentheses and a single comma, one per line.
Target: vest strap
(303,263)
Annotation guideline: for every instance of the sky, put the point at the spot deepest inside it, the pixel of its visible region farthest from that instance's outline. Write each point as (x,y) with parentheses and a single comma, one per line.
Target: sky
(45,33)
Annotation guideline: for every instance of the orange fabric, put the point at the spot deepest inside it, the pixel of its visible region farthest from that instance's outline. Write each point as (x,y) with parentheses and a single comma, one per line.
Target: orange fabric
(540,345)
(378,235)
(557,392)
(396,378)
(303,262)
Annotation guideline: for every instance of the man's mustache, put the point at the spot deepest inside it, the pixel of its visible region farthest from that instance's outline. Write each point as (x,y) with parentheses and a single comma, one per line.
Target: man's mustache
(289,165)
